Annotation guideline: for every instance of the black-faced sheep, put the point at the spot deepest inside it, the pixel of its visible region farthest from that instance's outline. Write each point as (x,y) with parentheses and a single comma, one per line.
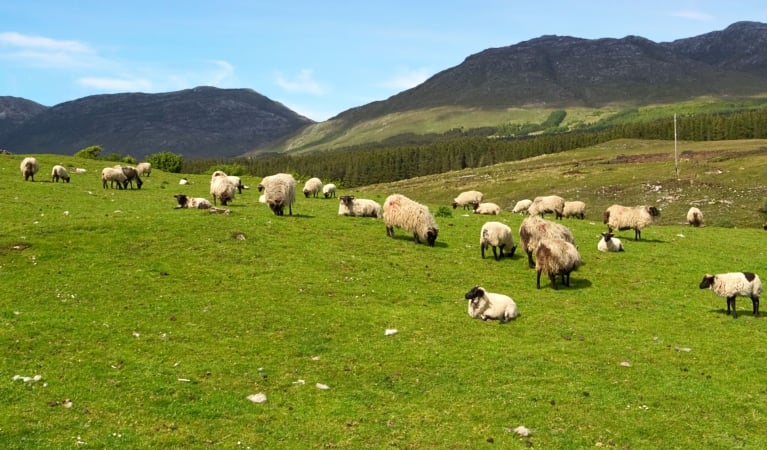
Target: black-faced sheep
(522,206)
(312,187)
(556,257)
(548,204)
(623,218)
(131,174)
(533,229)
(144,168)
(59,172)
(359,207)
(496,235)
(487,208)
(734,284)
(402,212)
(29,167)
(695,217)
(222,189)
(489,305)
(329,190)
(468,199)
(574,209)
(112,175)
(279,191)
(235,180)
(192,202)
(609,243)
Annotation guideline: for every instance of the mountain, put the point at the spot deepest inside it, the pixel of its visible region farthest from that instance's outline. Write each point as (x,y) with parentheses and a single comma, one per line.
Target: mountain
(14,111)
(199,122)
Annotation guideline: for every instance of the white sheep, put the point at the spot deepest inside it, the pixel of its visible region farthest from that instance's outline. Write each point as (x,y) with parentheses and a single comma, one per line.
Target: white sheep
(192,202)
(112,175)
(548,204)
(496,235)
(468,199)
(534,228)
(144,168)
(556,257)
(609,243)
(622,218)
(695,217)
(359,207)
(312,187)
(59,172)
(574,209)
(489,305)
(734,284)
(29,167)
(329,190)
(279,191)
(402,212)
(487,208)
(522,206)
(235,180)
(222,189)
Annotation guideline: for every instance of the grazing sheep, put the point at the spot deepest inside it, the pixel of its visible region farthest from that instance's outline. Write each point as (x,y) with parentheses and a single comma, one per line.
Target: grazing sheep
(522,206)
(130,174)
(468,199)
(533,229)
(329,190)
(402,212)
(29,167)
(312,187)
(496,234)
(556,257)
(734,284)
(359,207)
(487,208)
(489,305)
(548,204)
(222,189)
(574,209)
(144,168)
(235,180)
(112,175)
(192,202)
(59,172)
(695,217)
(279,191)
(623,218)
(609,243)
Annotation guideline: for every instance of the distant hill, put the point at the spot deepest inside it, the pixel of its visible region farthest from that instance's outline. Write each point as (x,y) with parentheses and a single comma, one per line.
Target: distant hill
(14,111)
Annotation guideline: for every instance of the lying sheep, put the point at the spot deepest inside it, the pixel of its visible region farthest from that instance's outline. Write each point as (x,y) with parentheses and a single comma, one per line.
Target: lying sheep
(192,202)
(533,229)
(734,284)
(59,172)
(131,174)
(609,243)
(574,209)
(402,212)
(522,206)
(222,189)
(556,257)
(329,190)
(695,217)
(279,191)
(622,218)
(359,207)
(468,199)
(489,305)
(487,208)
(112,175)
(312,187)
(496,235)
(144,168)
(29,167)
(548,204)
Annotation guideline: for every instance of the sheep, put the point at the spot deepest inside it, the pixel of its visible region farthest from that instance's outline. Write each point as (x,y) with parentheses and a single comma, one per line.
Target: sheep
(59,172)
(535,228)
(192,202)
(574,209)
(733,284)
(548,204)
(29,167)
(312,187)
(144,168)
(411,216)
(329,190)
(496,234)
(279,191)
(235,180)
(487,208)
(183,181)
(222,189)
(112,175)
(609,243)
(522,206)
(80,170)
(695,217)
(622,218)
(360,207)
(489,305)
(468,199)
(130,174)
(556,257)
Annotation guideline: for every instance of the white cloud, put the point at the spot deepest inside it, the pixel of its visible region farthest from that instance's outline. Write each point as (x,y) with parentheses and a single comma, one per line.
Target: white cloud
(693,15)
(406,79)
(116,84)
(304,82)
(46,52)
(223,70)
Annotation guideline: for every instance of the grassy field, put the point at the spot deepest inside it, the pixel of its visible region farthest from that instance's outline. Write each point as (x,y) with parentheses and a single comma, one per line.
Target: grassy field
(150,326)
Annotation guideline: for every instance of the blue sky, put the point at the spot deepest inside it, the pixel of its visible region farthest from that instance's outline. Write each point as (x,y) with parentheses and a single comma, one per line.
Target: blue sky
(318,58)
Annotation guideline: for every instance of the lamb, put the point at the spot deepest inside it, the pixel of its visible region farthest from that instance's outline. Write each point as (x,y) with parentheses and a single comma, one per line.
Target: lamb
(695,217)
(548,204)
(192,202)
(411,216)
(279,191)
(556,257)
(222,189)
(360,207)
(496,234)
(59,172)
(130,174)
(622,218)
(112,175)
(609,243)
(329,190)
(144,168)
(487,208)
(522,206)
(312,187)
(534,228)
(733,284)
(574,209)
(489,305)
(29,167)
(468,199)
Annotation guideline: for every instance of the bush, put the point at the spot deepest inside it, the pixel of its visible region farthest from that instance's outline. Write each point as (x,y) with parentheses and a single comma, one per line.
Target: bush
(166,161)
(91,152)
(443,211)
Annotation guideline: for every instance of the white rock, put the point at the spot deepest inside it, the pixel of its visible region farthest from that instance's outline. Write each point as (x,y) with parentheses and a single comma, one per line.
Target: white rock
(324,387)
(390,331)
(257,398)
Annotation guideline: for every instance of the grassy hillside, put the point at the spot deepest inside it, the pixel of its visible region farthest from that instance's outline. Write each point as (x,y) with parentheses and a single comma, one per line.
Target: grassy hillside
(149,326)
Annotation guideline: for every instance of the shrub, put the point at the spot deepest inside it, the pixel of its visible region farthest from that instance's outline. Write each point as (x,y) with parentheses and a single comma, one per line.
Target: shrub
(166,161)
(91,152)
(443,211)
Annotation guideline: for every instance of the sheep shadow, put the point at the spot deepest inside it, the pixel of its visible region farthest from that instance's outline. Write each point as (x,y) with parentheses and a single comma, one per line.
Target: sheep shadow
(742,312)
(409,238)
(575,283)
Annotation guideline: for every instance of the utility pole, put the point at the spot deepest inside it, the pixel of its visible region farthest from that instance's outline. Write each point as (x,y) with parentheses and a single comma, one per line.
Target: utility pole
(676,160)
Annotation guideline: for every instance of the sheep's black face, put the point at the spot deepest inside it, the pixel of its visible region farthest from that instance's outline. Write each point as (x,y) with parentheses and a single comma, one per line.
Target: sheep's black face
(347,200)
(474,293)
(655,212)
(708,280)
(455,205)
(431,236)
(181,199)
(607,236)
(306,193)
(276,207)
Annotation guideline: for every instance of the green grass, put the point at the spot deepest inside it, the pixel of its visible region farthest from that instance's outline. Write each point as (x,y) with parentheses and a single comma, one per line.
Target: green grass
(157,323)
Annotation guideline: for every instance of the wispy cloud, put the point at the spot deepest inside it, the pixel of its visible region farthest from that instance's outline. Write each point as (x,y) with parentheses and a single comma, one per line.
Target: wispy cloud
(699,16)
(222,70)
(116,84)
(304,82)
(406,79)
(42,51)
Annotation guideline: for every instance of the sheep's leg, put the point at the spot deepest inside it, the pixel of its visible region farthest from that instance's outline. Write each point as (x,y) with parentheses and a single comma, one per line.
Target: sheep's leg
(530,262)
(731,301)
(415,238)
(483,250)
(755,301)
(538,279)
(495,255)
(390,231)
(553,278)
(637,234)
